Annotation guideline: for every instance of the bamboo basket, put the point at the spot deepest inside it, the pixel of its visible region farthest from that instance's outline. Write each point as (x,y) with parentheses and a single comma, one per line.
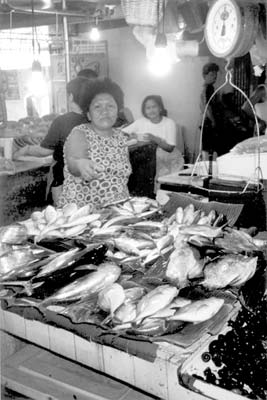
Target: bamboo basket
(142,12)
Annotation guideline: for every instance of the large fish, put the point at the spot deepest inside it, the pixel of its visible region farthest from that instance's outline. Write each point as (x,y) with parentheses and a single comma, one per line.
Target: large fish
(105,275)
(184,264)
(236,241)
(59,262)
(231,270)
(49,284)
(198,311)
(171,308)
(155,300)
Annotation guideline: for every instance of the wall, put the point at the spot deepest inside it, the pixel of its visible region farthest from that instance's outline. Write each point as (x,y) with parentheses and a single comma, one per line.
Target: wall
(180,89)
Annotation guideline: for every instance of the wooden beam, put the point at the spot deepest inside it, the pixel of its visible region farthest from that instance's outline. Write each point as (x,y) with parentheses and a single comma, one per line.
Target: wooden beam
(25,20)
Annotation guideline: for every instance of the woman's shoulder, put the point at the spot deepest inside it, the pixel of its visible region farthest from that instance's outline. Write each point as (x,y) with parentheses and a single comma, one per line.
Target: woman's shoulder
(168,121)
(81,129)
(79,132)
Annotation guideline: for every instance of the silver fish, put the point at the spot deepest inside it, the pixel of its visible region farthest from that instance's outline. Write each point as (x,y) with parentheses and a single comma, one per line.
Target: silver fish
(15,259)
(184,264)
(198,311)
(58,262)
(155,300)
(231,270)
(202,230)
(105,275)
(125,313)
(133,294)
(171,308)
(13,234)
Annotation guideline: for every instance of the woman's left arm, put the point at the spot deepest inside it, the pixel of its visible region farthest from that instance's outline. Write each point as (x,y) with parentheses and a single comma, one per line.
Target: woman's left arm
(168,143)
(163,144)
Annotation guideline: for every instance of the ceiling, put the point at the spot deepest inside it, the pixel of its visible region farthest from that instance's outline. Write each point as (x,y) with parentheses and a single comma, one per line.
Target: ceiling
(18,13)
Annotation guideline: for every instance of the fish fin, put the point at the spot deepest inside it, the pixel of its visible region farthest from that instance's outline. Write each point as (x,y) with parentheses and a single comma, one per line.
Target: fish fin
(86,268)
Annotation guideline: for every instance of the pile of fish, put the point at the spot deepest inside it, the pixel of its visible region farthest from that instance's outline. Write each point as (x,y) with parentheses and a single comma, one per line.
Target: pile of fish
(49,272)
(136,310)
(67,222)
(130,270)
(71,221)
(16,254)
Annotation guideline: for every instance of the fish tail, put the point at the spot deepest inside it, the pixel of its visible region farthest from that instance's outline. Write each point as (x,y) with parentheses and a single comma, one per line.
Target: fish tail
(106,320)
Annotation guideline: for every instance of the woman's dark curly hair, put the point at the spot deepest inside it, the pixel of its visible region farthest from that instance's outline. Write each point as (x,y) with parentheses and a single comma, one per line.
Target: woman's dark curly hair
(100,86)
(157,99)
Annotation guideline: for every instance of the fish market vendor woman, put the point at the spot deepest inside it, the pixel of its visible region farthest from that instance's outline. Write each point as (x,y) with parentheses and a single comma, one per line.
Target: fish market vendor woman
(97,165)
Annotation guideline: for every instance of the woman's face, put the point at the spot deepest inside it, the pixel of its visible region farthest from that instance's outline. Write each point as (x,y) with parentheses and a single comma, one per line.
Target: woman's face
(152,110)
(103,111)
(210,78)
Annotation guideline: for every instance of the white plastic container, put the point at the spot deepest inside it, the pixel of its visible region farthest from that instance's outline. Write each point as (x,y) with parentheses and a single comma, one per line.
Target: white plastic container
(241,165)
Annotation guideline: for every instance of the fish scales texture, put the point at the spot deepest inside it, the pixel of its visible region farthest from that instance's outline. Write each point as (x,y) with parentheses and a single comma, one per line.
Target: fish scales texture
(229,270)
(15,259)
(202,230)
(237,241)
(106,274)
(111,298)
(58,262)
(155,300)
(184,264)
(198,311)
(125,313)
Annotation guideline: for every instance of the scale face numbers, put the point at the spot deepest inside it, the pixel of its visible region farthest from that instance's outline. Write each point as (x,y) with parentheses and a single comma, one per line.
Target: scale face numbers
(223,29)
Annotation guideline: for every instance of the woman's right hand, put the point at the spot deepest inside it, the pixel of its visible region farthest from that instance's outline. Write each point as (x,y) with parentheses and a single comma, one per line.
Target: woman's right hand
(87,168)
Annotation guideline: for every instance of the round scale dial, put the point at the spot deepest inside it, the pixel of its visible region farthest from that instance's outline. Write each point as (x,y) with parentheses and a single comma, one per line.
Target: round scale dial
(223,29)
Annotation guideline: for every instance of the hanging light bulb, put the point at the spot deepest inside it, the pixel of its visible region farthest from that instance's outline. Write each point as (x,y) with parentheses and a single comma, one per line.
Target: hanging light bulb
(159,61)
(94,34)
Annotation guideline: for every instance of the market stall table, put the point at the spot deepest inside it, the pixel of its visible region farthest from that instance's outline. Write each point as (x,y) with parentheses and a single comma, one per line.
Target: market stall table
(152,366)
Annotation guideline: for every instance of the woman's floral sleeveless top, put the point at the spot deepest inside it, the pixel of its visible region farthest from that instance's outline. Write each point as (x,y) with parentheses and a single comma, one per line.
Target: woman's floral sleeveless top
(111,153)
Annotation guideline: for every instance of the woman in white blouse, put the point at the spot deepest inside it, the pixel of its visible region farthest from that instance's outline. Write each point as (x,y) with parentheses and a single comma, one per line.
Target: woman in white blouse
(156,127)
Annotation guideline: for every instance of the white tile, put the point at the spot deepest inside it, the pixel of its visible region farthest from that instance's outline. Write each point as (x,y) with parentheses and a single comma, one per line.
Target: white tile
(62,342)
(14,324)
(37,333)
(151,376)
(88,353)
(119,364)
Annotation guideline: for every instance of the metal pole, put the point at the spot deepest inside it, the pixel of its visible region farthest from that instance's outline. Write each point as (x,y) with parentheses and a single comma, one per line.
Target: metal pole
(66,46)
